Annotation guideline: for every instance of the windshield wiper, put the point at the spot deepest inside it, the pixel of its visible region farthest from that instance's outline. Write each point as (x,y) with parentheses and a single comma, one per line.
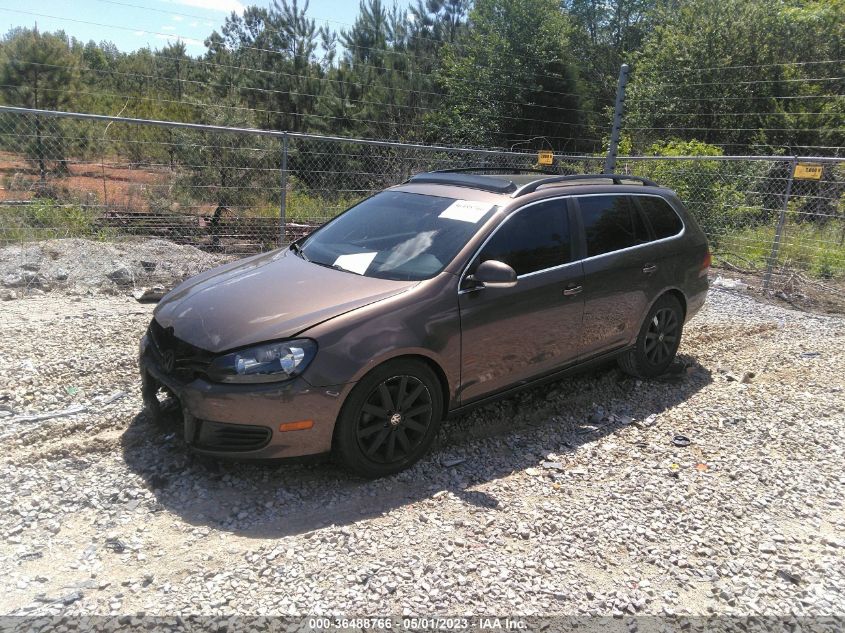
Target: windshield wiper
(297,250)
(336,267)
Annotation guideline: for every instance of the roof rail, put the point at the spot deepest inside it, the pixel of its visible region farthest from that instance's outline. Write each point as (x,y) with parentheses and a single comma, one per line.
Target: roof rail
(503,170)
(617,179)
(473,181)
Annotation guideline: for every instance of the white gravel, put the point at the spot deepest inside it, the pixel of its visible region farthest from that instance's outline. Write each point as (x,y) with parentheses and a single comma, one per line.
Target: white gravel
(570,499)
(81,266)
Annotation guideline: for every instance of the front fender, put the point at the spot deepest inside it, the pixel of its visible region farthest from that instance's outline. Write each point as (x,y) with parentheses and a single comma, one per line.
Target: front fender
(423,321)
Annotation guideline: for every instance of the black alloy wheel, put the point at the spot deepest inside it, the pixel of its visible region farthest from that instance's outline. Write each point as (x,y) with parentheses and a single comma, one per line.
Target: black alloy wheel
(658,340)
(390,418)
(394,419)
(662,336)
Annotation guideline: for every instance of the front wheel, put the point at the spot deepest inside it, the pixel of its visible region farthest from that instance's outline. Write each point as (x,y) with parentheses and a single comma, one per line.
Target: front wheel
(657,342)
(390,419)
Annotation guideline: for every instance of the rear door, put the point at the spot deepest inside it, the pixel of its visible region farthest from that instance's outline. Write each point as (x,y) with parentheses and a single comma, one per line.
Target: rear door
(619,275)
(671,256)
(510,335)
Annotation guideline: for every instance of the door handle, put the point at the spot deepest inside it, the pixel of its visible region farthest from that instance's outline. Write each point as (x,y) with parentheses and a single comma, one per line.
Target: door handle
(569,292)
(649,268)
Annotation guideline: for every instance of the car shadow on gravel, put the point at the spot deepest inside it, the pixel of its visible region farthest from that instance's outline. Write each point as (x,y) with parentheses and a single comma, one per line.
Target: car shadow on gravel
(538,429)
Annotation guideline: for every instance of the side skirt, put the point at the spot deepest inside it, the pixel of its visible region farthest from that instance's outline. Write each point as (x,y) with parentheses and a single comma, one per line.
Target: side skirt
(554,376)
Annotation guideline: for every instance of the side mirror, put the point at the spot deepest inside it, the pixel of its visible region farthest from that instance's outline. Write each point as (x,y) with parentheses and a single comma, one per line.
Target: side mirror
(493,274)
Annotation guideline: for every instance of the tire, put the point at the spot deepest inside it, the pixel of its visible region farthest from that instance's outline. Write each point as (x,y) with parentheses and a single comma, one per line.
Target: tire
(375,435)
(657,342)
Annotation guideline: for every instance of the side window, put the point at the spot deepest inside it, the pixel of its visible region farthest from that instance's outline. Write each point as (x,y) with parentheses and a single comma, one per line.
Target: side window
(535,238)
(663,218)
(611,223)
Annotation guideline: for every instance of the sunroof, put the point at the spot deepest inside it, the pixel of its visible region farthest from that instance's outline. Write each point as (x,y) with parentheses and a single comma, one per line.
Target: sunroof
(474,181)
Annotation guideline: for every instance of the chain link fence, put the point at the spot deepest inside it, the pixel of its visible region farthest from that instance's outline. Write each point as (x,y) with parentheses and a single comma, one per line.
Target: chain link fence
(757,216)
(232,192)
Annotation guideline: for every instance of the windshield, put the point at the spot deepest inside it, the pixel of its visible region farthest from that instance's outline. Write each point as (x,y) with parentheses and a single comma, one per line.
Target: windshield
(397,235)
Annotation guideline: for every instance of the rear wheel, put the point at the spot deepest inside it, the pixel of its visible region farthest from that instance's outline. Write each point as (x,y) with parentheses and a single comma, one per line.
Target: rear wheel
(390,419)
(658,340)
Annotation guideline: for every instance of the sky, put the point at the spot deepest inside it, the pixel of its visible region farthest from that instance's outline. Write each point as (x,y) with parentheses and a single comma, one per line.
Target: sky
(132,24)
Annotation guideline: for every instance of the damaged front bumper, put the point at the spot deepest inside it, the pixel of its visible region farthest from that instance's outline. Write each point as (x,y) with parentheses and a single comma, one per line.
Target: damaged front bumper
(243,421)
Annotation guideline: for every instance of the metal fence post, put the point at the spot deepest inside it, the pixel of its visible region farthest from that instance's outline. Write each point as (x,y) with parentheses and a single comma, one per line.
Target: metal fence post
(284,184)
(781,221)
(613,149)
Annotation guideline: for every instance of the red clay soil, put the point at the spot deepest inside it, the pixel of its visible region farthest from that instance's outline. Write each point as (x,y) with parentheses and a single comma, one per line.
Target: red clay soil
(125,187)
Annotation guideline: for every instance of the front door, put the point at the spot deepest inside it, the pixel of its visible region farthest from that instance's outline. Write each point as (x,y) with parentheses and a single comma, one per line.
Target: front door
(510,335)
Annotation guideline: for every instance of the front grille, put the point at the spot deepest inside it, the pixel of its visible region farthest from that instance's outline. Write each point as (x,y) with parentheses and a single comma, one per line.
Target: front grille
(175,357)
(217,436)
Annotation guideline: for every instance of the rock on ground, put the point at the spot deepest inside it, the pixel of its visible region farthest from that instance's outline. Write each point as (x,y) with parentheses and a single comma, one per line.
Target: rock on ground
(103,267)
(569,499)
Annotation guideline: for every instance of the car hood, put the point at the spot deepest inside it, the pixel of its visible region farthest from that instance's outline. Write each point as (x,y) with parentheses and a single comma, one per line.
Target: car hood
(266,297)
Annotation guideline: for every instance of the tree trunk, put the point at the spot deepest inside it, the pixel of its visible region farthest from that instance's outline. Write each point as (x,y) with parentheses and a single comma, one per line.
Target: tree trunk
(218,212)
(39,152)
(39,143)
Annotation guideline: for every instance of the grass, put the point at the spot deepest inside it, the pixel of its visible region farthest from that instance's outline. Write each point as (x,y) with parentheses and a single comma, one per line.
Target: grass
(301,207)
(51,219)
(47,219)
(818,250)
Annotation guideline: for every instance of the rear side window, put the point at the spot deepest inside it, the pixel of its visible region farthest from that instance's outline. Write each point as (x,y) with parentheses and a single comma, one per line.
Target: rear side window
(663,218)
(611,223)
(535,238)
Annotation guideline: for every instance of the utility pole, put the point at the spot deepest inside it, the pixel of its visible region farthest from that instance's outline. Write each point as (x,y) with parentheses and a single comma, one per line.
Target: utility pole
(613,150)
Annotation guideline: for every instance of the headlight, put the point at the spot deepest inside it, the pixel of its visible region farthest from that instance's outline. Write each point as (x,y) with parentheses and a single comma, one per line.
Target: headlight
(271,362)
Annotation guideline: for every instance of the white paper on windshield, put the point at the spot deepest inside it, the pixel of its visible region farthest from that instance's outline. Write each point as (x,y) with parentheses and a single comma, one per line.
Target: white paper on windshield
(356,262)
(466,210)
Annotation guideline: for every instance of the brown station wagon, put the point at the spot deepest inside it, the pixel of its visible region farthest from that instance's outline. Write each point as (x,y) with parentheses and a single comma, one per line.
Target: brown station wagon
(438,294)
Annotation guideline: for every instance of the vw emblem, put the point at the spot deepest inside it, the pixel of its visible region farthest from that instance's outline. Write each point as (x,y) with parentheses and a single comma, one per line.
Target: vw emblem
(168,360)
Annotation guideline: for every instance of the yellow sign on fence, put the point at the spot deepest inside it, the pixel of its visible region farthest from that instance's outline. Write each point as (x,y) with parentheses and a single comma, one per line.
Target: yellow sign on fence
(545,157)
(806,171)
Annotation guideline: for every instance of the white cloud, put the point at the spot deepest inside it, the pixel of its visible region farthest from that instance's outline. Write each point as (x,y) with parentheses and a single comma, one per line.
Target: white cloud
(225,6)
(176,18)
(190,42)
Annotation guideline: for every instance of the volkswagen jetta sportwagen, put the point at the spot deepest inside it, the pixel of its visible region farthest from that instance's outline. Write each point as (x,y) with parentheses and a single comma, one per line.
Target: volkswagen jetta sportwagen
(424,299)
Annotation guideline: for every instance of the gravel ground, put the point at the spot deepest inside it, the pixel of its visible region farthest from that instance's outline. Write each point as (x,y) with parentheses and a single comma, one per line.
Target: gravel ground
(571,498)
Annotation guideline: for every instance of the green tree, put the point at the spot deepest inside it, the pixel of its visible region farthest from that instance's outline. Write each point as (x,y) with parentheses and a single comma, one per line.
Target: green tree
(230,171)
(38,70)
(510,78)
(270,62)
(747,75)
(177,91)
(606,35)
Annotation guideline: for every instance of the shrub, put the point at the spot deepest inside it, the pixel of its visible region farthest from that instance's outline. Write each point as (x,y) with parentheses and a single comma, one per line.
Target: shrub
(723,196)
(45,218)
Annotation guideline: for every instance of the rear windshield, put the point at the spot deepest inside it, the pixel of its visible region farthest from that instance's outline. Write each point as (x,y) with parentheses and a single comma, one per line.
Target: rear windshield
(397,235)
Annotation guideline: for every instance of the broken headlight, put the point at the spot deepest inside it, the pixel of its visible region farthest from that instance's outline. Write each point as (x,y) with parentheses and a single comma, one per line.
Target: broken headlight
(271,362)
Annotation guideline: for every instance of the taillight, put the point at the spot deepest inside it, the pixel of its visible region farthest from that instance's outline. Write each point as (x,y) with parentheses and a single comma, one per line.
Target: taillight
(705,265)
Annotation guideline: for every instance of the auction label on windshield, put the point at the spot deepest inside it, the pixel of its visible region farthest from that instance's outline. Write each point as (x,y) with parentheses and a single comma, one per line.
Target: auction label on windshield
(466,211)
(355,262)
